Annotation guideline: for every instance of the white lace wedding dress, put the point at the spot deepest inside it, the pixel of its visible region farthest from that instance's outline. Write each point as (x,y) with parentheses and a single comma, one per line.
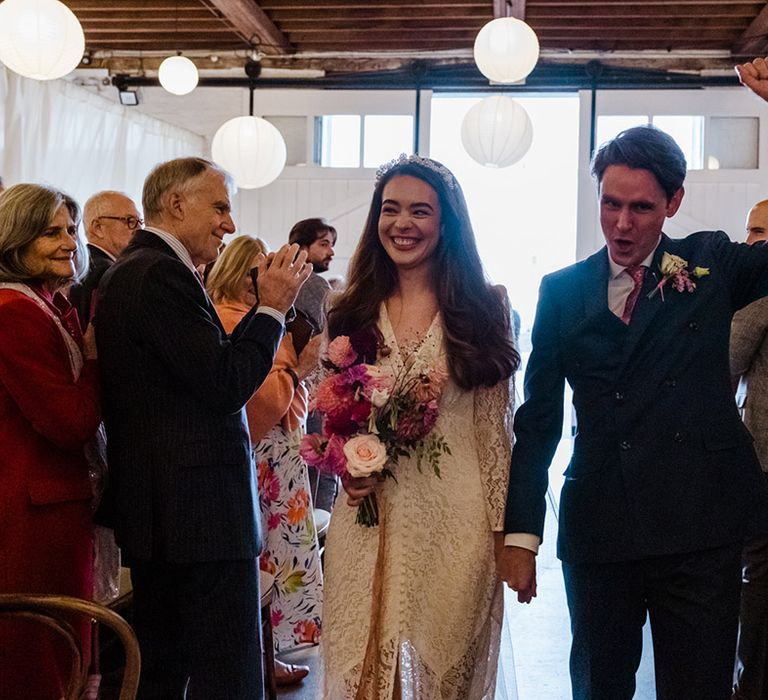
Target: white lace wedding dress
(412,607)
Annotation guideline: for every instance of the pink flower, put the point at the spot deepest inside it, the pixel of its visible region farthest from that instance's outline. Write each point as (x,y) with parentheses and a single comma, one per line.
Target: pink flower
(340,352)
(273,521)
(269,484)
(430,416)
(381,379)
(335,462)
(334,393)
(312,449)
(276,615)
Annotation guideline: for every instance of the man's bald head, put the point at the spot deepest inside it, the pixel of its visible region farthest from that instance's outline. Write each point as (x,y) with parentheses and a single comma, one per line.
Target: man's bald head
(757,223)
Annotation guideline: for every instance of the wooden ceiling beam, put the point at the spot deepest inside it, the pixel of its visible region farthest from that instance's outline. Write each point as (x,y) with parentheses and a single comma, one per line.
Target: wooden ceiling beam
(417,12)
(253,24)
(754,41)
(631,12)
(322,5)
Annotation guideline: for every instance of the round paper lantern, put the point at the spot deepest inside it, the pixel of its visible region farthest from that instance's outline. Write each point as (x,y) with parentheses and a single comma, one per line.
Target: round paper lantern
(40,39)
(506,50)
(251,149)
(497,132)
(178,75)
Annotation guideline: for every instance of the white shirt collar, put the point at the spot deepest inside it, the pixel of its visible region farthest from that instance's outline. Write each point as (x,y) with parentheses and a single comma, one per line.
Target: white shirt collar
(176,245)
(106,252)
(617,269)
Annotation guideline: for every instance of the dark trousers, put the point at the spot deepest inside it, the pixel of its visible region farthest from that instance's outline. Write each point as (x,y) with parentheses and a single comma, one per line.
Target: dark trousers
(692,600)
(751,674)
(198,629)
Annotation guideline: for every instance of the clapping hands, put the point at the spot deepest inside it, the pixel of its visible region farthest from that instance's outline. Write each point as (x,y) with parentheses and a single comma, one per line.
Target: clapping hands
(754,76)
(281,276)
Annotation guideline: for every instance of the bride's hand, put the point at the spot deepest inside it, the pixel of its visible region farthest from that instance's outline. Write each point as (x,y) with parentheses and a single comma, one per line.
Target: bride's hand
(358,488)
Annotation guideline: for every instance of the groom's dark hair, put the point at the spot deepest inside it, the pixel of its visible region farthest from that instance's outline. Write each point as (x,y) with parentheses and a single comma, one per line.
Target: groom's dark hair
(644,148)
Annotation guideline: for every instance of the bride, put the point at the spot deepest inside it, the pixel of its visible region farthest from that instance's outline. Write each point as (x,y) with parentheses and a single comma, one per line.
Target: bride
(412,607)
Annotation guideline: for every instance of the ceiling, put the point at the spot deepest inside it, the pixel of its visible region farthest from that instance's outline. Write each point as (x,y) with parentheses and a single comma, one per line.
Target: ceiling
(348,39)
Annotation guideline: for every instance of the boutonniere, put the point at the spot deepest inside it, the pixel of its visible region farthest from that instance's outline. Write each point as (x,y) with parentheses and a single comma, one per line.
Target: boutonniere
(675,271)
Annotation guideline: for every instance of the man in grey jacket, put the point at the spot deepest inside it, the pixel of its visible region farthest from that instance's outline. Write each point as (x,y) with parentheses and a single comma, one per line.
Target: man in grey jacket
(749,360)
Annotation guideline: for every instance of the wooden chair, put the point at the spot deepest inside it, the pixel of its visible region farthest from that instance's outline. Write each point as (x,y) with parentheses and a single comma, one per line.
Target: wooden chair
(53,611)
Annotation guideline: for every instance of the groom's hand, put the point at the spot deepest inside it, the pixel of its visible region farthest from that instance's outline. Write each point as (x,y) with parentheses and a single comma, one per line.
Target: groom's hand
(517,566)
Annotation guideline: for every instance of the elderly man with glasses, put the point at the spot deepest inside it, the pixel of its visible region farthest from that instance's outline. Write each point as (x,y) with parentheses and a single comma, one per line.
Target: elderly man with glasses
(110,218)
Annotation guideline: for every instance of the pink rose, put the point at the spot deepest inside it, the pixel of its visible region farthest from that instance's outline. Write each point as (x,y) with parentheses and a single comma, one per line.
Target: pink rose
(340,352)
(381,378)
(365,455)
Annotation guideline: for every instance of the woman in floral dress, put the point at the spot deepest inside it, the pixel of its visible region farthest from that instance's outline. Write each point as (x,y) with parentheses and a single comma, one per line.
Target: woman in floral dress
(276,414)
(412,605)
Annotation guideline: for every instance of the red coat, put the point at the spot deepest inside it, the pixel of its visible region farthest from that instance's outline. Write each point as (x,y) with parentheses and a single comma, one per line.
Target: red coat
(45,495)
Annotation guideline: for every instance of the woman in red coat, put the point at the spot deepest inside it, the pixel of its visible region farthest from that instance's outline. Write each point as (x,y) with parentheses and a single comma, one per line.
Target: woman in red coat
(49,410)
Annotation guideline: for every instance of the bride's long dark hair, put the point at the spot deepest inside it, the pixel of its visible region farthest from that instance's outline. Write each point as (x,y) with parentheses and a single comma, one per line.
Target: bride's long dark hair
(476,317)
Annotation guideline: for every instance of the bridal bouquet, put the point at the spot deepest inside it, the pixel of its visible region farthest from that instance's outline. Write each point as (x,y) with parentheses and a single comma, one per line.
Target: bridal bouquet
(372,416)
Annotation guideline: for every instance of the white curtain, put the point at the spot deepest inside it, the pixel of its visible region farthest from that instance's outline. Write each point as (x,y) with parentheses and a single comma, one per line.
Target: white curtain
(61,134)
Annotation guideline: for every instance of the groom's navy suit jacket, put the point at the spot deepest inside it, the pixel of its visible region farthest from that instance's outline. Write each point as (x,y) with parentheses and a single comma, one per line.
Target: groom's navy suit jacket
(181,485)
(662,463)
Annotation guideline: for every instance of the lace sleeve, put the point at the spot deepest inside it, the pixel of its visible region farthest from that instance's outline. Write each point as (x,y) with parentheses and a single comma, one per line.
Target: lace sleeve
(493,410)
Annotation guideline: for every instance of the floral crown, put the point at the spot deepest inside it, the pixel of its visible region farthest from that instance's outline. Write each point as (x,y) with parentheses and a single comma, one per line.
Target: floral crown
(432,165)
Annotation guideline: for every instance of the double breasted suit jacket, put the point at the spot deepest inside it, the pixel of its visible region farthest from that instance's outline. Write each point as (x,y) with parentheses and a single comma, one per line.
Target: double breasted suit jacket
(662,463)
(182,485)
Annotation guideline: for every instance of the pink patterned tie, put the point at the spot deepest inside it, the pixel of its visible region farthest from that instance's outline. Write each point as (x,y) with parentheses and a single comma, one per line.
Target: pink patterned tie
(637,273)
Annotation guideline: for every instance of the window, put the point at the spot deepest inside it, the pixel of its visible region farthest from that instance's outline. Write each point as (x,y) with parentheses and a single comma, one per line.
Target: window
(339,140)
(351,140)
(385,137)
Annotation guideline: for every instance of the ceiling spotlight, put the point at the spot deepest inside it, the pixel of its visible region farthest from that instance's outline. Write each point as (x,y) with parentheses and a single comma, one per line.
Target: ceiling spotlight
(129,98)
(178,75)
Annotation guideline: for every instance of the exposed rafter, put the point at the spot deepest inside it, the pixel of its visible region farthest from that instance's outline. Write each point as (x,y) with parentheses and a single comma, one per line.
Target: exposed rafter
(754,41)
(253,24)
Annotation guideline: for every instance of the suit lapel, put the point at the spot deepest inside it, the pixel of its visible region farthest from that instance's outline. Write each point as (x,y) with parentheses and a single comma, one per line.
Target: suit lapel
(147,239)
(594,285)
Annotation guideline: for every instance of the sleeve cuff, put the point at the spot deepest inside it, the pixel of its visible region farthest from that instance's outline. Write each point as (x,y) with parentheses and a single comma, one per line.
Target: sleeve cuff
(274,313)
(524,540)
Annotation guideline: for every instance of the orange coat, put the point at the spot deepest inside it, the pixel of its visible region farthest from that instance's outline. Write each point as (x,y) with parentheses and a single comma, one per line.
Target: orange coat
(276,400)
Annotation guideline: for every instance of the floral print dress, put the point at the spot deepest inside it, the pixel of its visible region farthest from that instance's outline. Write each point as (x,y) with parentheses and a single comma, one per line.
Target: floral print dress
(291,552)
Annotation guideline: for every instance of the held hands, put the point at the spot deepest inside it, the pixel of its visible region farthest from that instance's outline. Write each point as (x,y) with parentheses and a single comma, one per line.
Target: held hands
(754,76)
(281,276)
(516,566)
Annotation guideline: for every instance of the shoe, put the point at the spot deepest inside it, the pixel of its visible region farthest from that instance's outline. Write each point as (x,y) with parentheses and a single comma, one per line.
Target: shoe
(289,674)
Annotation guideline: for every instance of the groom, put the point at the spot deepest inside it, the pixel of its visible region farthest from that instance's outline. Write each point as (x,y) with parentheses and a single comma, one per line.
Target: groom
(663,485)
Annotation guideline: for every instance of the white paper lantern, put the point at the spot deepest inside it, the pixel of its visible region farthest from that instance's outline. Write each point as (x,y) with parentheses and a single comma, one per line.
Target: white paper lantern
(40,39)
(250,148)
(497,132)
(506,50)
(178,75)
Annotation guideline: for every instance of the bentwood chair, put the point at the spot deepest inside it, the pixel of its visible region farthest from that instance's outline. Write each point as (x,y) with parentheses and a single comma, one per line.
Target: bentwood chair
(54,611)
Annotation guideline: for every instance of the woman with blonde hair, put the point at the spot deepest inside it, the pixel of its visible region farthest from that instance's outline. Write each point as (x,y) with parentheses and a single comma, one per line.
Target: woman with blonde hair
(276,414)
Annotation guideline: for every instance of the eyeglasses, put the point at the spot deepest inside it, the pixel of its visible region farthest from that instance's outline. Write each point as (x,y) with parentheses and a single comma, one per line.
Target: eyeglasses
(130,221)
